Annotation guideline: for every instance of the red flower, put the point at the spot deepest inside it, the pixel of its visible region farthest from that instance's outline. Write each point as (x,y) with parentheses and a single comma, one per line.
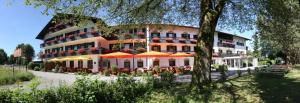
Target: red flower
(141,49)
(71,36)
(81,51)
(140,33)
(126,50)
(93,49)
(54,53)
(82,33)
(49,42)
(71,51)
(62,53)
(62,38)
(155,38)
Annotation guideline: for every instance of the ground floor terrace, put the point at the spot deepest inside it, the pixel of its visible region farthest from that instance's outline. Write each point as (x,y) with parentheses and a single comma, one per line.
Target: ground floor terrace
(97,63)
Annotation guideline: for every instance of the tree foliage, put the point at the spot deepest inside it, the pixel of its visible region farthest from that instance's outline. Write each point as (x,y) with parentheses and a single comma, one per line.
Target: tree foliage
(3,57)
(278,27)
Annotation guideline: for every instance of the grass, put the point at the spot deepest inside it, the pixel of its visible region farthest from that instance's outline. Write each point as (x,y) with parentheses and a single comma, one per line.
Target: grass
(7,76)
(245,89)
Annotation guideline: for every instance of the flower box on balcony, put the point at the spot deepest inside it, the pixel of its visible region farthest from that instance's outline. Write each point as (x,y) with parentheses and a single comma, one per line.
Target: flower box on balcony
(141,49)
(182,39)
(140,33)
(48,42)
(94,33)
(81,51)
(93,49)
(54,53)
(71,37)
(62,38)
(155,38)
(54,41)
(71,52)
(62,53)
(126,50)
(82,34)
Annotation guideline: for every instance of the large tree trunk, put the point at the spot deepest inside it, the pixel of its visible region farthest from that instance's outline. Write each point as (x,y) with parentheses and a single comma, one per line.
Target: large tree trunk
(202,60)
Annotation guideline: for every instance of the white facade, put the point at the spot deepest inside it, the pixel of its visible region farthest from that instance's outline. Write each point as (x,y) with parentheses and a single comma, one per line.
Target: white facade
(100,42)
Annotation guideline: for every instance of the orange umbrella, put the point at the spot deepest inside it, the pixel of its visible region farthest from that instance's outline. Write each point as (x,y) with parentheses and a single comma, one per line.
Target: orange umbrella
(180,55)
(117,55)
(152,54)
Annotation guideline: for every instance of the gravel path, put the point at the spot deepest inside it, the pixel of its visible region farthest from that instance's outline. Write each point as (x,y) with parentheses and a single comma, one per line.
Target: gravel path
(48,80)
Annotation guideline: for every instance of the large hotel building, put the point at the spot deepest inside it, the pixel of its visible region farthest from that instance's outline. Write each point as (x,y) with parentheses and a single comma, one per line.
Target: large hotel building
(81,47)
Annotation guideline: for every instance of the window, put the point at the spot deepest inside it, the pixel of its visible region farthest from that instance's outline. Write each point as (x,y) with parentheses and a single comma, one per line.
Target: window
(80,64)
(171,48)
(156,48)
(64,64)
(171,35)
(228,52)
(71,64)
(90,64)
(172,62)
(126,64)
(186,48)
(85,29)
(195,36)
(220,51)
(185,35)
(140,63)
(155,62)
(240,44)
(186,62)
(155,34)
(104,63)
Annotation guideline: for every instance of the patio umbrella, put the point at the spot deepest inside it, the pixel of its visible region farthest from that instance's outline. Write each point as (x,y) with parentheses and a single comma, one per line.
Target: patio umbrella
(117,55)
(152,54)
(82,58)
(180,55)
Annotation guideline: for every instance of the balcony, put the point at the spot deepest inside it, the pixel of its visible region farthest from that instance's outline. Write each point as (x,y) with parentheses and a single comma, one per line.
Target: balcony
(82,51)
(70,37)
(228,45)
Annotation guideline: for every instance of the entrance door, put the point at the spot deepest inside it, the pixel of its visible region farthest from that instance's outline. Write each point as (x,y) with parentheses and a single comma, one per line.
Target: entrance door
(155,63)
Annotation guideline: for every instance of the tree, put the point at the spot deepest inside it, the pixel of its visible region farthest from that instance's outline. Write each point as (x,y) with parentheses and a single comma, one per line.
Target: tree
(28,53)
(278,26)
(11,59)
(205,14)
(256,52)
(3,57)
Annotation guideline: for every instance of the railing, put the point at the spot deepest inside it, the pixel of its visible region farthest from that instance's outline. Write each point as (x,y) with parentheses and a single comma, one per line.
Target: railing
(71,37)
(173,40)
(226,45)
(83,51)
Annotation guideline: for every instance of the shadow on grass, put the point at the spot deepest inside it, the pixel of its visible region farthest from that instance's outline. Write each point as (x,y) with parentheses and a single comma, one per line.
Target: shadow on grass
(275,89)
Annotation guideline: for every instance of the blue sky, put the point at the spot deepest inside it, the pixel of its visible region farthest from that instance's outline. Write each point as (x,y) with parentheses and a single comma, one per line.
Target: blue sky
(21,24)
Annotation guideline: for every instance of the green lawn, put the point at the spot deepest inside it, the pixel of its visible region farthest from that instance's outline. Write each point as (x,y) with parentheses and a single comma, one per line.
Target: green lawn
(246,89)
(7,77)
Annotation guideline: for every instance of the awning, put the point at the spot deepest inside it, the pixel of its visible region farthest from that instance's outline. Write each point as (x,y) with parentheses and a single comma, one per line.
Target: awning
(180,55)
(152,54)
(117,55)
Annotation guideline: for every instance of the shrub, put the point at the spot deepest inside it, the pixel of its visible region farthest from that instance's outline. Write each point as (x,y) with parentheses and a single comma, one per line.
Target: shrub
(156,69)
(37,68)
(167,79)
(114,70)
(7,76)
(249,70)
(32,65)
(106,72)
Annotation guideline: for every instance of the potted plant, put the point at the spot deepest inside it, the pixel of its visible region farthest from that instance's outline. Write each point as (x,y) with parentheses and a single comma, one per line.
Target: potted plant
(54,53)
(93,49)
(114,70)
(71,52)
(156,70)
(82,34)
(71,37)
(62,38)
(141,49)
(126,50)
(62,53)
(94,33)
(81,51)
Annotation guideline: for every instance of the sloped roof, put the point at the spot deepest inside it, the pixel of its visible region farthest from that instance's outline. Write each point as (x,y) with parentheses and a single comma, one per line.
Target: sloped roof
(57,18)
